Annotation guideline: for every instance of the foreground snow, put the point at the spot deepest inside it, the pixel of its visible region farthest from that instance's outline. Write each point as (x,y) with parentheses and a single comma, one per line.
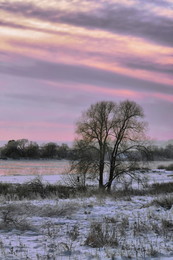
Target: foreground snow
(96,227)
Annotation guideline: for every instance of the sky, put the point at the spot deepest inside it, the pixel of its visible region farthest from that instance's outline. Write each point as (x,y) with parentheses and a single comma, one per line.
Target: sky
(59,57)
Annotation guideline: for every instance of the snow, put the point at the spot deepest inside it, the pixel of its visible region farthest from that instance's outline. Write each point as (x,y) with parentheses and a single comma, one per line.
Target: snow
(26,178)
(137,221)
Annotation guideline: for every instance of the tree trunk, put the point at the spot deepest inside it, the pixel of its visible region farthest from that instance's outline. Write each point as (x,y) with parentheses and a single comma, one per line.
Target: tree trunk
(101,170)
(111,173)
(101,166)
(110,180)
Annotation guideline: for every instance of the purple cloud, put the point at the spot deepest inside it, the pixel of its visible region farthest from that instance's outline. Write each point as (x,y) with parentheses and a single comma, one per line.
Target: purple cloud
(59,72)
(116,18)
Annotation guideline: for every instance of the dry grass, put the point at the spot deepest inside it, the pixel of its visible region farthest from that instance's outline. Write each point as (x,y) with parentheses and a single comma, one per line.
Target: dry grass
(165,202)
(102,234)
(167,168)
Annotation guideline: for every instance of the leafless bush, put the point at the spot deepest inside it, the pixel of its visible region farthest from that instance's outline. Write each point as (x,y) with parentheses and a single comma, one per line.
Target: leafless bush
(140,227)
(77,181)
(59,209)
(167,168)
(102,234)
(165,202)
(161,167)
(161,188)
(167,228)
(167,224)
(73,233)
(12,217)
(50,230)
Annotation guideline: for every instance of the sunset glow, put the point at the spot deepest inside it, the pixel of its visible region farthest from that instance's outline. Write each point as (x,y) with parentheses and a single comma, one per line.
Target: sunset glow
(59,57)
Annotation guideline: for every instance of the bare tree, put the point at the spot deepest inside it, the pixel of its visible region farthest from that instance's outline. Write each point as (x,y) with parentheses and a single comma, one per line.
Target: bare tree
(128,136)
(107,128)
(94,129)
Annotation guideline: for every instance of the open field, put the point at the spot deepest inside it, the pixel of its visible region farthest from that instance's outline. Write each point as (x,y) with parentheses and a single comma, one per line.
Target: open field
(44,218)
(32,167)
(47,167)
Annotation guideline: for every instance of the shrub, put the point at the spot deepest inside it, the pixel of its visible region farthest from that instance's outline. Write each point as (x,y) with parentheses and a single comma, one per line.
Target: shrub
(165,202)
(12,216)
(36,189)
(169,167)
(161,167)
(102,234)
(63,209)
(159,188)
(167,224)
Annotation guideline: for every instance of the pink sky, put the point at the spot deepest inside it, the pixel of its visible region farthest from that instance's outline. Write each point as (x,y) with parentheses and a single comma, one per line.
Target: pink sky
(59,57)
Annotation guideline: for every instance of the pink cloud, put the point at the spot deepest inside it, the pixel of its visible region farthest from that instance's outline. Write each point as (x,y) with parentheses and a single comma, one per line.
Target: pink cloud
(36,131)
(124,93)
(164,96)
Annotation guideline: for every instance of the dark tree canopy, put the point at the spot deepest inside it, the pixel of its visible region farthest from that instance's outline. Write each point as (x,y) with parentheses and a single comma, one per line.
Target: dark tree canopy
(24,149)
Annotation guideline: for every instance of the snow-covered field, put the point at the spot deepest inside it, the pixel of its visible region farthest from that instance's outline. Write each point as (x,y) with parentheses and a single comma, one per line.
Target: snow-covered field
(98,226)
(32,167)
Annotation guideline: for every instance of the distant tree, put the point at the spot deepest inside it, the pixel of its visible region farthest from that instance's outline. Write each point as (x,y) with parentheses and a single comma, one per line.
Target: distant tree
(114,132)
(22,146)
(49,150)
(62,151)
(161,153)
(32,150)
(169,151)
(10,150)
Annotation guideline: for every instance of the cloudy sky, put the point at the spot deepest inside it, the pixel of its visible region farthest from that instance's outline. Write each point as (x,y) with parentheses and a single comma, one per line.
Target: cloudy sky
(58,57)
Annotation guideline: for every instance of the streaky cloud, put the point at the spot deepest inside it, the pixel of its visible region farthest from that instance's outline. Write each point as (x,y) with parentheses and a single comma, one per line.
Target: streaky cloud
(129,61)
(115,18)
(59,72)
(143,64)
(31,28)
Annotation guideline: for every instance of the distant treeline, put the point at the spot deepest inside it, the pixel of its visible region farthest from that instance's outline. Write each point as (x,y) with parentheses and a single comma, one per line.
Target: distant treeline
(161,153)
(25,149)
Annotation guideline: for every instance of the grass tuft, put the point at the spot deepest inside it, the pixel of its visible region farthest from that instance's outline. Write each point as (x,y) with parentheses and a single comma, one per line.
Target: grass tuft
(167,168)
(102,234)
(165,202)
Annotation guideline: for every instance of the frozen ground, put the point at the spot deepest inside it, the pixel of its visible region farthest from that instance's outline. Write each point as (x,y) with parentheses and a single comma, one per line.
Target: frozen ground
(32,167)
(88,227)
